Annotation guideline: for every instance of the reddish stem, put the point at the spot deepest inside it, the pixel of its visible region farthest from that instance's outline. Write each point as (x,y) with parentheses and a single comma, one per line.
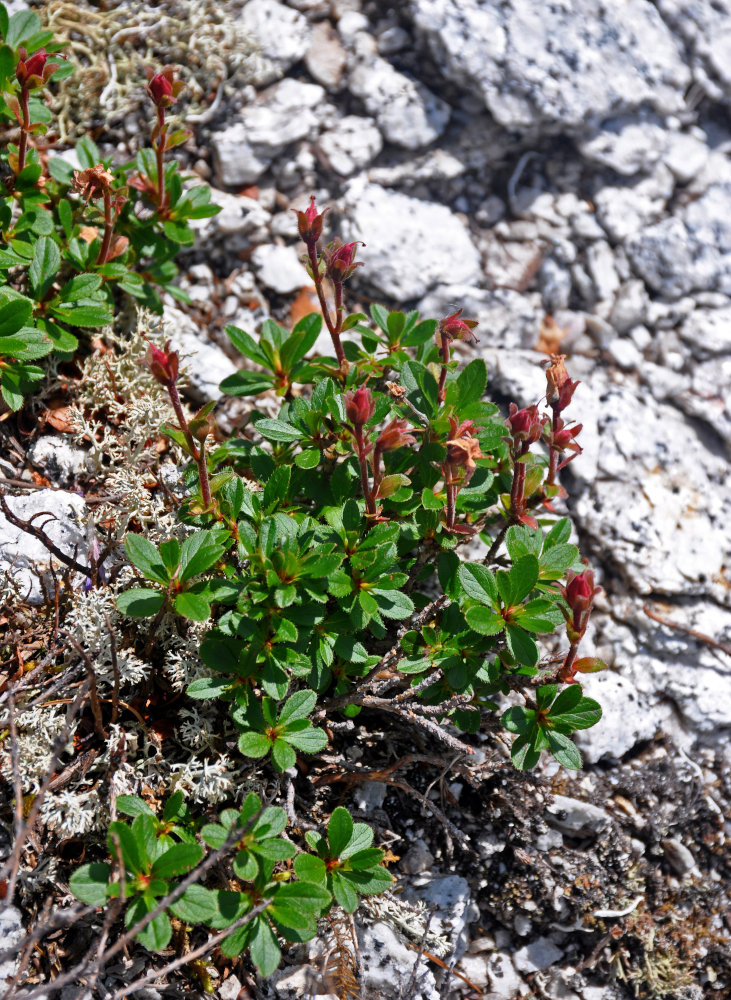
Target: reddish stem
(517,497)
(554,453)
(198,454)
(363,463)
(24,129)
(333,328)
(108,228)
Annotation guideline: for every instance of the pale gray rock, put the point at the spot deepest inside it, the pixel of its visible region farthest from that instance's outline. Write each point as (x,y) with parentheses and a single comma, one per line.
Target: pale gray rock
(451,897)
(659,508)
(371,794)
(707,332)
(61,462)
(326,58)
(205,363)
(12,933)
(388,963)
(688,252)
(625,210)
(505,983)
(280,268)
(437,165)
(625,354)
(537,955)
(282,114)
(630,306)
(408,113)
(557,66)
(282,34)
(474,967)
(229,988)
(629,145)
(25,558)
(393,39)
(575,817)
(239,216)
(685,156)
(417,859)
(301,981)
(407,241)
(351,145)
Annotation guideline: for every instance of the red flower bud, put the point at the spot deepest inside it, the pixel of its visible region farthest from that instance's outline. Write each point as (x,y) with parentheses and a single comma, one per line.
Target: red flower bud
(340,260)
(162,87)
(359,406)
(526,424)
(580,591)
(309,223)
(454,328)
(394,435)
(163,363)
(31,71)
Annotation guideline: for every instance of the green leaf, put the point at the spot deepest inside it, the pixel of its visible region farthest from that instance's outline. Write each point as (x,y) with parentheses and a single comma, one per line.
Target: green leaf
(283,756)
(130,849)
(523,578)
(263,948)
(277,487)
(177,860)
(392,603)
(131,805)
(522,646)
(84,313)
(479,584)
(518,719)
(309,459)
(21,26)
(309,740)
(252,744)
(471,382)
(139,602)
(197,905)
(198,553)
(193,606)
(298,706)
(88,152)
(564,750)
(584,715)
(360,839)
(559,533)
(278,430)
(245,383)
(343,893)
(208,687)
(81,286)
(156,936)
(484,621)
(309,868)
(339,831)
(15,314)
(89,883)
(145,557)
(523,755)
(44,266)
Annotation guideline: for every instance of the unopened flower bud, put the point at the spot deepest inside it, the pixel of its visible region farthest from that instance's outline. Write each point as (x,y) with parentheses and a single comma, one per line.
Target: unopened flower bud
(163,363)
(526,424)
(309,223)
(394,435)
(33,71)
(359,406)
(340,260)
(454,328)
(162,87)
(580,590)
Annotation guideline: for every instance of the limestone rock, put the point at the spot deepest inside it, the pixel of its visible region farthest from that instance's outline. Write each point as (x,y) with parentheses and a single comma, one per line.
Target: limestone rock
(407,241)
(556,67)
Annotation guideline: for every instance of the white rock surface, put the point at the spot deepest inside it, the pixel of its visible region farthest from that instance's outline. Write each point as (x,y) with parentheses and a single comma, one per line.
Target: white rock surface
(452,898)
(388,963)
(537,955)
(576,817)
(557,66)
(12,933)
(407,241)
(280,268)
(25,558)
(407,112)
(54,456)
(505,983)
(282,34)
(351,144)
(281,115)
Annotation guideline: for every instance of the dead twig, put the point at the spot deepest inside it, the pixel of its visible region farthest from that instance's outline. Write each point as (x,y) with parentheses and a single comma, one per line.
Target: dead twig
(93,693)
(39,533)
(724,647)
